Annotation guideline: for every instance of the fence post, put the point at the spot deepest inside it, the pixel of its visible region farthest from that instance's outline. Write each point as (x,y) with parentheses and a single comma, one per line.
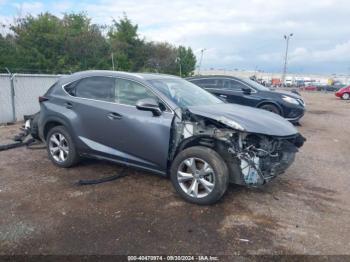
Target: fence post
(12,76)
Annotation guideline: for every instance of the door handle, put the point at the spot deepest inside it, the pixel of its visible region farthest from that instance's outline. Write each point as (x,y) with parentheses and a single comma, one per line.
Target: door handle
(68,105)
(223,96)
(114,116)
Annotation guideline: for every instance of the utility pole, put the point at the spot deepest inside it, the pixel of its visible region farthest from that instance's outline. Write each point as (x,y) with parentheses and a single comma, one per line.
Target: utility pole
(113,61)
(287,38)
(200,61)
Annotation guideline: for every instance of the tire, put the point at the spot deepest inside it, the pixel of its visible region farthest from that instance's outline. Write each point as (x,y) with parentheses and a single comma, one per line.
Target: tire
(63,143)
(345,96)
(271,108)
(211,183)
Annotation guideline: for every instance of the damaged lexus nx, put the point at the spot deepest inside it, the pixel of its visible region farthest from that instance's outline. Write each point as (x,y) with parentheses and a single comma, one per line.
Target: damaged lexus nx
(166,125)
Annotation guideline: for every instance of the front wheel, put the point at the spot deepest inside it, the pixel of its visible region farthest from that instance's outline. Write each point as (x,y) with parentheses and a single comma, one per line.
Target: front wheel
(199,175)
(345,96)
(271,108)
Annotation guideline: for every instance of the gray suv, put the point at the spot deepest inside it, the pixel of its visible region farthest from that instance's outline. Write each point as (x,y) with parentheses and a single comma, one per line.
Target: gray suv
(165,125)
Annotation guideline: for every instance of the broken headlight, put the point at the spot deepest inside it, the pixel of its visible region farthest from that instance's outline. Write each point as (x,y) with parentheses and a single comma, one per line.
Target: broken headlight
(230,123)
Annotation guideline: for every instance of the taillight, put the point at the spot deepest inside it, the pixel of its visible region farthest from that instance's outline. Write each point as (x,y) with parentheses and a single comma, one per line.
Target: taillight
(42,99)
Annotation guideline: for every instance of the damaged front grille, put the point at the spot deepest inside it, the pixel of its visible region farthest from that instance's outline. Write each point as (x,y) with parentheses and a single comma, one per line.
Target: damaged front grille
(262,158)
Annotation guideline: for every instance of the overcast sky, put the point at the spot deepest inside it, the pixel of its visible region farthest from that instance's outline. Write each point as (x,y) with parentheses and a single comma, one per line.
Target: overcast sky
(244,34)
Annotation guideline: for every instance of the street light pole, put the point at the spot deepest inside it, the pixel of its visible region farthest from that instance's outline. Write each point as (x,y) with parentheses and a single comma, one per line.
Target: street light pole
(178,60)
(200,61)
(287,38)
(112,57)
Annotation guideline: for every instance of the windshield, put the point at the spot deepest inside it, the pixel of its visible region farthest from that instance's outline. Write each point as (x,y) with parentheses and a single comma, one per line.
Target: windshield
(184,93)
(255,84)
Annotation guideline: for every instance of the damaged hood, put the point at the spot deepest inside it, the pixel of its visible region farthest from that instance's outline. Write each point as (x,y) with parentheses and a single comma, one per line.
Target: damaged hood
(251,119)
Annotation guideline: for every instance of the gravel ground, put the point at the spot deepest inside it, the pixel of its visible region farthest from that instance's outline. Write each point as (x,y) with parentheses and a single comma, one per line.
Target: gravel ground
(305,211)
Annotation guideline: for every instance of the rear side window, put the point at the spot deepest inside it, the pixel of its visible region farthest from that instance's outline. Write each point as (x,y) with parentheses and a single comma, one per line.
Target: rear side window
(129,92)
(205,83)
(235,85)
(230,84)
(97,87)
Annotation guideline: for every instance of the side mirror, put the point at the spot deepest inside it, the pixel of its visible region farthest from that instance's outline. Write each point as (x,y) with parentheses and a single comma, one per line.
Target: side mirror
(246,90)
(149,104)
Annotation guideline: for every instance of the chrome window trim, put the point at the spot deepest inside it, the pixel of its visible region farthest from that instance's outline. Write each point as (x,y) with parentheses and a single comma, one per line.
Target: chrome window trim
(171,111)
(227,89)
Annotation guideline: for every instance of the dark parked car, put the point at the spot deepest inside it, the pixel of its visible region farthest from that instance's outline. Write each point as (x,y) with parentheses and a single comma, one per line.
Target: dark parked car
(330,88)
(166,125)
(247,92)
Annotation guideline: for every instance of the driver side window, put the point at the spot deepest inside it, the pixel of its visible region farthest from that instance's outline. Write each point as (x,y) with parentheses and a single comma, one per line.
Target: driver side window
(237,86)
(129,92)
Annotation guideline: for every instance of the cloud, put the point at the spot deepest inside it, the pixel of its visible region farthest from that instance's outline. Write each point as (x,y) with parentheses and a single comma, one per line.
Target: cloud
(339,53)
(61,6)
(236,34)
(247,33)
(32,8)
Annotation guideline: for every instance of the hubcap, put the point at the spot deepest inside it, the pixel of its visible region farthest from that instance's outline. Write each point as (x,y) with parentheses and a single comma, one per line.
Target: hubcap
(346,96)
(196,177)
(58,146)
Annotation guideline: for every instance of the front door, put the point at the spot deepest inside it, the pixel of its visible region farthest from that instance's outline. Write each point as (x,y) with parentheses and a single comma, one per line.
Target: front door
(141,136)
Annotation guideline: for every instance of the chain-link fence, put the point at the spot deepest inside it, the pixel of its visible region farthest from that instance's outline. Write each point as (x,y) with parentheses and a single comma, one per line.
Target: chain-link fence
(19,94)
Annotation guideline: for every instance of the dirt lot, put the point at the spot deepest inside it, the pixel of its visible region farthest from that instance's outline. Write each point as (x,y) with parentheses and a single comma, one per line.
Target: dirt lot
(305,211)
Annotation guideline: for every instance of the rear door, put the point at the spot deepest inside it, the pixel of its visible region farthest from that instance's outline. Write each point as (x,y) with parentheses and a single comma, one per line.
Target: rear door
(92,102)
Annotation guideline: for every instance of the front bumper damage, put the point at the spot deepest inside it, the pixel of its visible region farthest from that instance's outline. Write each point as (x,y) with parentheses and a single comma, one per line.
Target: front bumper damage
(253,159)
(262,158)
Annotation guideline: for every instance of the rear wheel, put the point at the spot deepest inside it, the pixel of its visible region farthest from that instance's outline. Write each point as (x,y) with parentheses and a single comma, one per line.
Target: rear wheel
(271,108)
(345,96)
(61,148)
(200,175)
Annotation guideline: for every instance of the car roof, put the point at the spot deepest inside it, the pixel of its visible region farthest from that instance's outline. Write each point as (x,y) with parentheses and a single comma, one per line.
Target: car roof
(109,73)
(213,76)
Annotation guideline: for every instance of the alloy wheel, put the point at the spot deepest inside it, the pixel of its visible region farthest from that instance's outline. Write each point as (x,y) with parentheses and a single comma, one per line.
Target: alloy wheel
(58,147)
(346,96)
(196,177)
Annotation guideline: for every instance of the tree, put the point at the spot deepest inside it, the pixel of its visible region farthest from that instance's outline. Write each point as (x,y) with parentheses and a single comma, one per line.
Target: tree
(161,58)
(84,45)
(186,61)
(39,42)
(126,45)
(7,52)
(48,44)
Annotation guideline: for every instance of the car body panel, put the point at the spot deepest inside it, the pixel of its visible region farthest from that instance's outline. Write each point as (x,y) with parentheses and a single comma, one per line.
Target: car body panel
(253,120)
